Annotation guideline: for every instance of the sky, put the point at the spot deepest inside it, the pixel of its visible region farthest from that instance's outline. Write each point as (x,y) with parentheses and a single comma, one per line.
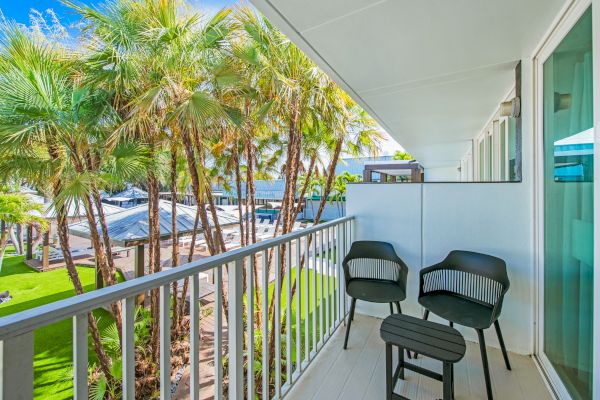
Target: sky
(20,11)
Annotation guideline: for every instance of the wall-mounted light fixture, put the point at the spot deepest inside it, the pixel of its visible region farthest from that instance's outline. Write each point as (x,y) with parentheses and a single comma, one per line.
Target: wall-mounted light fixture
(511,108)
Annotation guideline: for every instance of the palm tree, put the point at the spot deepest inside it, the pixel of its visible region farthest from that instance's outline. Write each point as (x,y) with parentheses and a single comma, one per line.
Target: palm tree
(36,124)
(17,209)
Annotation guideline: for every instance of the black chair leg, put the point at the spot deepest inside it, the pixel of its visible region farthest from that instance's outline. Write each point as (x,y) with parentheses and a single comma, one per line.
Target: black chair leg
(391,308)
(484,359)
(398,307)
(451,324)
(352,304)
(502,346)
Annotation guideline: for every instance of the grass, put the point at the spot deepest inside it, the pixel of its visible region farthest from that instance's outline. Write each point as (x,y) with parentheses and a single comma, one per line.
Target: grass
(304,314)
(53,344)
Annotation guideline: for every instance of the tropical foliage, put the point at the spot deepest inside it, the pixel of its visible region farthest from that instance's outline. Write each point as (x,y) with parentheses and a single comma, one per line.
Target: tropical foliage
(159,95)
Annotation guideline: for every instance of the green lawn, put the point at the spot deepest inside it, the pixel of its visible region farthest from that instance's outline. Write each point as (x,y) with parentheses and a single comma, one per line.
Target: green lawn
(333,303)
(53,344)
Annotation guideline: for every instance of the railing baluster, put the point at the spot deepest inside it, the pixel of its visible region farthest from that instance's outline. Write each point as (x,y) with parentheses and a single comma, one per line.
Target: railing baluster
(333,272)
(165,342)
(235,329)
(321,289)
(128,348)
(250,323)
(277,294)
(265,325)
(16,368)
(314,291)
(80,357)
(327,270)
(339,256)
(218,333)
(305,294)
(195,338)
(298,307)
(288,312)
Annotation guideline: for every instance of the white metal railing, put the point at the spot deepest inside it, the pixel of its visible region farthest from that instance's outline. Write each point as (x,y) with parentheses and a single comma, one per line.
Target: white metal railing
(319,289)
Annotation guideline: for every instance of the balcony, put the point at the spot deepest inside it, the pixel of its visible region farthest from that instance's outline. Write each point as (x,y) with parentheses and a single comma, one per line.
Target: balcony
(309,362)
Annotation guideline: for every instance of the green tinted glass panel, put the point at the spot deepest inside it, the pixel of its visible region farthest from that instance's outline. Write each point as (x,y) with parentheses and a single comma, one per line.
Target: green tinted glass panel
(568,209)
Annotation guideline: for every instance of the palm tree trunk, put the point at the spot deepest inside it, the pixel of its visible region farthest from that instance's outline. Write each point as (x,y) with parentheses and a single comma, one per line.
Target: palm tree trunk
(154,248)
(3,242)
(108,273)
(252,194)
(330,177)
(174,236)
(326,192)
(63,236)
(101,261)
(291,175)
(13,239)
(198,195)
(105,235)
(311,166)
(238,187)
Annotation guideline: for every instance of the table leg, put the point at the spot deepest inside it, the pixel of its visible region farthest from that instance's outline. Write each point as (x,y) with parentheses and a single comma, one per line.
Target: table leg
(389,388)
(452,375)
(401,361)
(447,381)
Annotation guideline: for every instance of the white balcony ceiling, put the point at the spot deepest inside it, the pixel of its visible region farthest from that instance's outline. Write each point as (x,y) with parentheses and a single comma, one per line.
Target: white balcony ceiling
(431,72)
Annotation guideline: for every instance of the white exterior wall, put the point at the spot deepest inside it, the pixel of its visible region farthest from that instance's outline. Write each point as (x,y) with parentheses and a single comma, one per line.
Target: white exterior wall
(444,174)
(425,221)
(331,211)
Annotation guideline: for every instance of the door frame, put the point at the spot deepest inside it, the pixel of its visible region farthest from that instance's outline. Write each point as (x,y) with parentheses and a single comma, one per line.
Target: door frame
(569,17)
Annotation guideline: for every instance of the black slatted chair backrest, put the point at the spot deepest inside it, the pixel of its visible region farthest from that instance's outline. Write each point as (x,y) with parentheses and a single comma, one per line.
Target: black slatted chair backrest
(374,260)
(474,276)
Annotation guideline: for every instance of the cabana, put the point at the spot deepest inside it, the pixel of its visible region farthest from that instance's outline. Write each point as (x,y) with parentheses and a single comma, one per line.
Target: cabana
(130,197)
(129,228)
(75,213)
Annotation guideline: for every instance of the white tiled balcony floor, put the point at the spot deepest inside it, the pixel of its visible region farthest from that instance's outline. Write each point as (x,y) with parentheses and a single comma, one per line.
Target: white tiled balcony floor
(359,372)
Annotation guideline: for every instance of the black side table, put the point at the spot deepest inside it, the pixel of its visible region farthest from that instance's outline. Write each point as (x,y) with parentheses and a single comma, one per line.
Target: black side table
(433,340)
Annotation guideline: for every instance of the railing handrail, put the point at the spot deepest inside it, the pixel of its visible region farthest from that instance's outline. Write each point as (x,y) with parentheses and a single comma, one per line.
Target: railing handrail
(29,320)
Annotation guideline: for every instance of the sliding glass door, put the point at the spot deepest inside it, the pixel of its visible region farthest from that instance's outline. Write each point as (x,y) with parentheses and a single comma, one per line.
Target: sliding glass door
(568,205)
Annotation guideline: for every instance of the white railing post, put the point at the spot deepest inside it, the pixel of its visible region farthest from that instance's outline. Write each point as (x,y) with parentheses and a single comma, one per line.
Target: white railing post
(194,338)
(265,325)
(218,333)
(250,299)
(288,312)
(165,342)
(128,348)
(16,367)
(298,306)
(277,333)
(80,357)
(236,330)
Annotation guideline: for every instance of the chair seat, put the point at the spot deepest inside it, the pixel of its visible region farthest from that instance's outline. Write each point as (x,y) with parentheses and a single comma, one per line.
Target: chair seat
(375,291)
(458,310)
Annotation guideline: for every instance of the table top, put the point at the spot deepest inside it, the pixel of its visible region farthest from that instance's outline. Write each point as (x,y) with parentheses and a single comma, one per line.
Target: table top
(428,338)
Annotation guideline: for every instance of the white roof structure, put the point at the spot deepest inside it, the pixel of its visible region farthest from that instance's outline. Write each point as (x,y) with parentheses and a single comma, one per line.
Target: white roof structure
(129,227)
(432,73)
(77,209)
(131,193)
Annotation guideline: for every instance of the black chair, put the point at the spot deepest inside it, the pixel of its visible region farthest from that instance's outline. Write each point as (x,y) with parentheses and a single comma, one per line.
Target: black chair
(374,273)
(467,288)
